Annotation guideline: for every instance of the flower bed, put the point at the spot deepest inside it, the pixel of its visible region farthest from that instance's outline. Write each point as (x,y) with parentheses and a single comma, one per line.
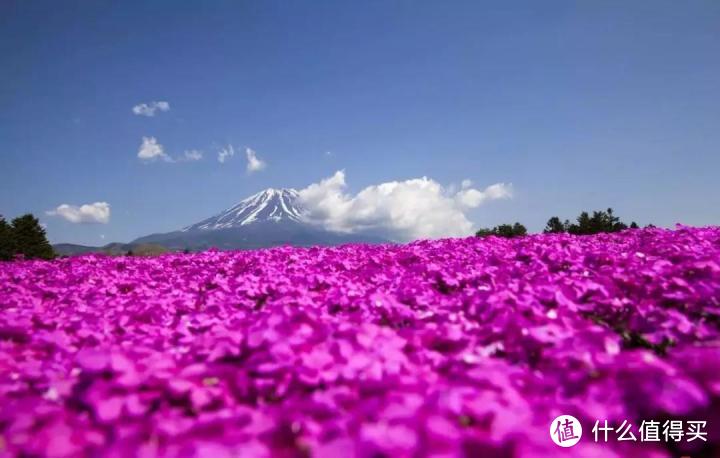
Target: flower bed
(449,347)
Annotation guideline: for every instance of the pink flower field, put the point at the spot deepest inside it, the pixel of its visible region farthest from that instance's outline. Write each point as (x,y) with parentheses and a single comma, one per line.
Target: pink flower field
(457,347)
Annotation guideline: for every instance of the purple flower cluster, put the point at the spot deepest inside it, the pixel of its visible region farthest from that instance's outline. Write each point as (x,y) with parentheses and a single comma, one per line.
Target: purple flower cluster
(458,347)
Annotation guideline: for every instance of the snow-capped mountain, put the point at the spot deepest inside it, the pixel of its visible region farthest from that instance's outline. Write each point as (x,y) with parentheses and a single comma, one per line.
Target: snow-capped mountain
(269,218)
(269,205)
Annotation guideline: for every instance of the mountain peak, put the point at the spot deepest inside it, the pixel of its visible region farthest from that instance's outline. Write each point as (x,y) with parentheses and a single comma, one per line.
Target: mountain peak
(267,218)
(271,204)
(275,191)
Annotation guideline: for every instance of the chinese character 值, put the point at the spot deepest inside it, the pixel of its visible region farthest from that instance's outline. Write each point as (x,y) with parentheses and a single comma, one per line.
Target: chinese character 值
(650,431)
(566,432)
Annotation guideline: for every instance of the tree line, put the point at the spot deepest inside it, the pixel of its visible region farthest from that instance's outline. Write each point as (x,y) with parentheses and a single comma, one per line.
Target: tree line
(585,224)
(24,236)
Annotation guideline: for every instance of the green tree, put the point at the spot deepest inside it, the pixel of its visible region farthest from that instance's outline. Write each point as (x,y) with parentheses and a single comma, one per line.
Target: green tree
(519,230)
(29,238)
(600,221)
(484,232)
(7,245)
(583,225)
(503,230)
(555,226)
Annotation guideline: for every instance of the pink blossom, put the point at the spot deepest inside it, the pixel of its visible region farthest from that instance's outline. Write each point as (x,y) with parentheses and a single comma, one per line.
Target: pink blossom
(435,348)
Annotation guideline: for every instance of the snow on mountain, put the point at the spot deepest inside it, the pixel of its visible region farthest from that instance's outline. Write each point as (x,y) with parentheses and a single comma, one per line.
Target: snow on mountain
(268,205)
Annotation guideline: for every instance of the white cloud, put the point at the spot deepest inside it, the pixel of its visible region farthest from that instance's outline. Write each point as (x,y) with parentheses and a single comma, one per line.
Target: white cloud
(401,210)
(149,109)
(466,183)
(254,164)
(98,212)
(191,155)
(150,150)
(225,153)
(471,198)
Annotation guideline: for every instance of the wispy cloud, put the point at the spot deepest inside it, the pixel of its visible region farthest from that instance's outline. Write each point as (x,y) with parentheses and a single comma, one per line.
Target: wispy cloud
(149,109)
(225,153)
(191,155)
(254,163)
(400,210)
(151,150)
(98,212)
(471,198)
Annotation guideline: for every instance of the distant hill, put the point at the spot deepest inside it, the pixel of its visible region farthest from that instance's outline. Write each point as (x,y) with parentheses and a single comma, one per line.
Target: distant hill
(269,218)
(69,249)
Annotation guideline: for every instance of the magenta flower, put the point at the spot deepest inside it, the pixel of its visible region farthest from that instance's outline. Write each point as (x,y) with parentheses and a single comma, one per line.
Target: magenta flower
(457,347)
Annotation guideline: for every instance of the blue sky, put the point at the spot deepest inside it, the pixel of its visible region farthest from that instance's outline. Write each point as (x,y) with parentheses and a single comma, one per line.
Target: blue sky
(580,105)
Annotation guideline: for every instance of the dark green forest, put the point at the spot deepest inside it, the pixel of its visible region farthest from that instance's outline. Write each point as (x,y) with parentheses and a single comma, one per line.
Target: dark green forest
(585,224)
(24,237)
